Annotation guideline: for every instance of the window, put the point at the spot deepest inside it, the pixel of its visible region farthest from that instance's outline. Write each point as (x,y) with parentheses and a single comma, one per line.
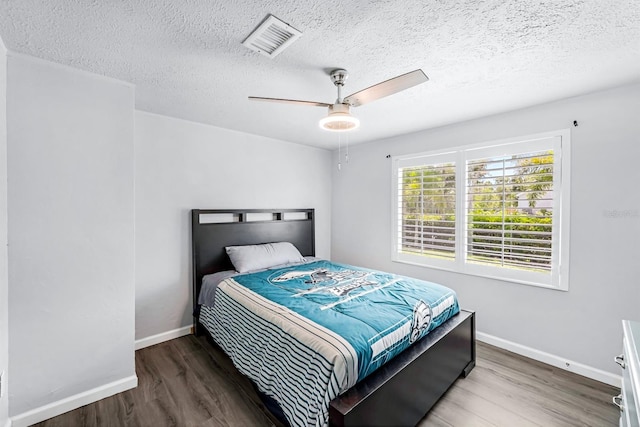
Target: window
(494,209)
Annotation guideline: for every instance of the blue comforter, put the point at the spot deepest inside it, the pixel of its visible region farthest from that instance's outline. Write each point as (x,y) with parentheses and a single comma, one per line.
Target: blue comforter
(379,314)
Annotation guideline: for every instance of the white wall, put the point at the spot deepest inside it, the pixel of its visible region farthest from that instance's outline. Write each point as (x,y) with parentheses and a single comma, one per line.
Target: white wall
(4,284)
(583,324)
(71,235)
(182,165)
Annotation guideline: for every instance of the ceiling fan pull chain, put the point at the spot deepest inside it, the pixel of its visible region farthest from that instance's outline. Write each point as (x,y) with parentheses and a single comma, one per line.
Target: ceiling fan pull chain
(339,151)
(346,155)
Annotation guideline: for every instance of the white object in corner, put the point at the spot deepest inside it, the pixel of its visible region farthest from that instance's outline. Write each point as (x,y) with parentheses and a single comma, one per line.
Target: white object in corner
(552,359)
(162,337)
(629,398)
(73,402)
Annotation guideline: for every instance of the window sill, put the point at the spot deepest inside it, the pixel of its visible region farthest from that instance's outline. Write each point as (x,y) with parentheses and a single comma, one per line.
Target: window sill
(485,276)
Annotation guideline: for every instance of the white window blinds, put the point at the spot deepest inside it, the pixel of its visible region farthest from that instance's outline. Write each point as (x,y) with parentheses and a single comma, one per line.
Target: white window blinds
(428,209)
(509,210)
(497,209)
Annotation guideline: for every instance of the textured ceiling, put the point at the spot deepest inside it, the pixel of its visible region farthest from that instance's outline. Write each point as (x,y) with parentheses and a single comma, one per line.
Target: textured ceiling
(482,56)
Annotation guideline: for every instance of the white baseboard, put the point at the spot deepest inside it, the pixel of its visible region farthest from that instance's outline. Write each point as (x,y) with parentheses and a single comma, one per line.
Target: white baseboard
(8,424)
(165,336)
(552,359)
(73,402)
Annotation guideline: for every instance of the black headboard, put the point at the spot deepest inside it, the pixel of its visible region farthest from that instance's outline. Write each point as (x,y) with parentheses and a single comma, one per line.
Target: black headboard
(213,229)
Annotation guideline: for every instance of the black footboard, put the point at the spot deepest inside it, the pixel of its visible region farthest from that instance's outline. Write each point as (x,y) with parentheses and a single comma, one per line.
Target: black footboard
(401,392)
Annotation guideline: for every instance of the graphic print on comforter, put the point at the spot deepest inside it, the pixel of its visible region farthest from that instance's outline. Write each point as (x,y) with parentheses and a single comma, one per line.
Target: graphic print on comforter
(379,314)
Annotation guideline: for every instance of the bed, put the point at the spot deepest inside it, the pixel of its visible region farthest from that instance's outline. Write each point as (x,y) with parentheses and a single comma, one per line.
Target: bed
(399,392)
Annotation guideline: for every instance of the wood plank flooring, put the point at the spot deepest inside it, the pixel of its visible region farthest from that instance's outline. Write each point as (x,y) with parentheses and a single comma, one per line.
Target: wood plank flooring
(188,382)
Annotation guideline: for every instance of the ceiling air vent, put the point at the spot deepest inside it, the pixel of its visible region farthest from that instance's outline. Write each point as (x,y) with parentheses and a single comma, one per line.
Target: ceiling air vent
(271,37)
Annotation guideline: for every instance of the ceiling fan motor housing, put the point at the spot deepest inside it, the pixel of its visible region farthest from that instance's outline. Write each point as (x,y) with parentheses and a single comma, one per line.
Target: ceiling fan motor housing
(339,109)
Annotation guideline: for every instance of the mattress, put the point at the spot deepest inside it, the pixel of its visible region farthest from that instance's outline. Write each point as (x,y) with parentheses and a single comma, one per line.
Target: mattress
(306,333)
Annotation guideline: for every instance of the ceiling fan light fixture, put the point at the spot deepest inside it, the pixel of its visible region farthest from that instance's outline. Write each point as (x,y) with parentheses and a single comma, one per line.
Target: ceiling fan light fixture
(339,119)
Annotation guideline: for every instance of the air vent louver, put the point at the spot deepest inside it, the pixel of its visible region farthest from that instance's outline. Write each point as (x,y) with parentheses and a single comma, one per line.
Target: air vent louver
(271,37)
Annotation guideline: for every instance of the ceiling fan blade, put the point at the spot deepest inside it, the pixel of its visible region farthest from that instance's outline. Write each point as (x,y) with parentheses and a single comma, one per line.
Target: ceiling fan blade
(386,88)
(290,101)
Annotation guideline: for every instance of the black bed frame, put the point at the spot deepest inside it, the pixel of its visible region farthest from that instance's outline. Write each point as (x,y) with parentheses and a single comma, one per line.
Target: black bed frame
(400,392)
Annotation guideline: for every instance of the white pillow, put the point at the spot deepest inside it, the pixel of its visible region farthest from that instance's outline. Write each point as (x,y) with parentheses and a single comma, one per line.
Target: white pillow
(257,257)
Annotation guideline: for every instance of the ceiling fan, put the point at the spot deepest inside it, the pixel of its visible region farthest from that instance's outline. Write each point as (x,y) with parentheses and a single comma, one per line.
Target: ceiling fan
(340,118)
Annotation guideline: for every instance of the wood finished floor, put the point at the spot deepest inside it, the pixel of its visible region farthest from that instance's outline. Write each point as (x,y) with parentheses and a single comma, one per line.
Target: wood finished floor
(188,382)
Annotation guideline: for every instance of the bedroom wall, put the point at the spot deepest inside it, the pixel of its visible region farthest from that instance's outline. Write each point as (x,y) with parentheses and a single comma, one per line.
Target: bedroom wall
(4,284)
(71,237)
(582,325)
(181,165)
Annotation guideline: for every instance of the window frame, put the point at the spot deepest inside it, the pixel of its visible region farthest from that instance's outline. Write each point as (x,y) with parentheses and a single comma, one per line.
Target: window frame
(559,141)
